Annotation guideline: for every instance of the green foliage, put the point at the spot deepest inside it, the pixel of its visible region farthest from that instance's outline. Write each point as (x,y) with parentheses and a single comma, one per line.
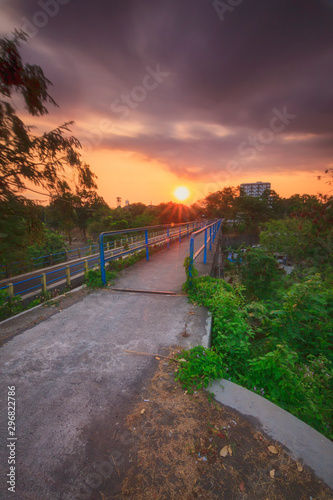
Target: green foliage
(189,279)
(291,236)
(19,226)
(122,263)
(9,306)
(259,273)
(51,162)
(281,350)
(36,302)
(52,243)
(198,366)
(93,279)
(303,389)
(304,318)
(41,160)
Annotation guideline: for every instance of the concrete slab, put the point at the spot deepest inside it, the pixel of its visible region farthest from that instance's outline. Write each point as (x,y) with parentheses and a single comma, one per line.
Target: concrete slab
(74,383)
(303,442)
(163,272)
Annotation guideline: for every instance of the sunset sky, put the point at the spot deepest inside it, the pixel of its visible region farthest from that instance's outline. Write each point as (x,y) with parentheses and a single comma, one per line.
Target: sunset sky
(195,93)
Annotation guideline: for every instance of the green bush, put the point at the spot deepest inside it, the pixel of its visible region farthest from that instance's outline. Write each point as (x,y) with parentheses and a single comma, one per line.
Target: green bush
(259,273)
(304,318)
(53,243)
(281,349)
(198,366)
(9,306)
(93,279)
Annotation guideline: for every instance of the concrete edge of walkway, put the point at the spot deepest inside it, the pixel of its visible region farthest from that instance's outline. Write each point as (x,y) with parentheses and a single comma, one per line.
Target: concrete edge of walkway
(301,441)
(206,339)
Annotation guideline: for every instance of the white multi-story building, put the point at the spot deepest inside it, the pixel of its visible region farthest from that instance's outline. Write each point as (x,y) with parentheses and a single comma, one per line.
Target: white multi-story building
(255,188)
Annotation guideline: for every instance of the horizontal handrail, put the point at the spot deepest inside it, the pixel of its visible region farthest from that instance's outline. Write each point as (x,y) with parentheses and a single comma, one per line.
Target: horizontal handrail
(172,231)
(39,263)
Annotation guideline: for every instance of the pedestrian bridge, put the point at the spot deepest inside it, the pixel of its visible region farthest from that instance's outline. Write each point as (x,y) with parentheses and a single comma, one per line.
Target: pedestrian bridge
(176,241)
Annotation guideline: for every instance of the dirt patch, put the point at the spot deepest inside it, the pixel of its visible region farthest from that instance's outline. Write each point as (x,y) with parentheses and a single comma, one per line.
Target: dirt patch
(179,439)
(19,324)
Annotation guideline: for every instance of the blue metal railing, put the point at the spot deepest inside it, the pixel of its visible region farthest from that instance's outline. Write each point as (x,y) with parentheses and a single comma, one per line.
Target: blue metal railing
(50,259)
(167,233)
(211,229)
(173,231)
(44,261)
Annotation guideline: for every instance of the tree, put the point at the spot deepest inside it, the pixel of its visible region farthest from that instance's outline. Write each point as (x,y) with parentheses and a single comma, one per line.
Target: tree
(53,243)
(20,226)
(292,236)
(87,204)
(61,214)
(259,272)
(251,210)
(26,158)
(221,203)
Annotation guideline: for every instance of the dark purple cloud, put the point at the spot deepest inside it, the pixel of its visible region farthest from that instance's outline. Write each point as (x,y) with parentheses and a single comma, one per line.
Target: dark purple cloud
(230,74)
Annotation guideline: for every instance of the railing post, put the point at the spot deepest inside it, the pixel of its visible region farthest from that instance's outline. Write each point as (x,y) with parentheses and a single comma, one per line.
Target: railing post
(10,290)
(190,267)
(147,248)
(108,246)
(90,250)
(210,237)
(68,276)
(168,237)
(188,230)
(86,268)
(79,253)
(102,259)
(180,234)
(7,270)
(205,250)
(43,280)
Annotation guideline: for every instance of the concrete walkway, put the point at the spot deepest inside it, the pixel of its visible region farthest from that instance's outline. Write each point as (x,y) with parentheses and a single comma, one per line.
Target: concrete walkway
(163,272)
(74,385)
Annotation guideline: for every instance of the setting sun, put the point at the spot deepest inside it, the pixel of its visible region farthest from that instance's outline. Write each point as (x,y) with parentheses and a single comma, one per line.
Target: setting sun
(181,193)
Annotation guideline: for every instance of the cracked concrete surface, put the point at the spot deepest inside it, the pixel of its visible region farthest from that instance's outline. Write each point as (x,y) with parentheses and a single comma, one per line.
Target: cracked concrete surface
(75,385)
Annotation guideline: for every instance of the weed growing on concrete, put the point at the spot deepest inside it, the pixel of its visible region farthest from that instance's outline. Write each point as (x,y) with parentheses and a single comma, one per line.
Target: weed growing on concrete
(93,279)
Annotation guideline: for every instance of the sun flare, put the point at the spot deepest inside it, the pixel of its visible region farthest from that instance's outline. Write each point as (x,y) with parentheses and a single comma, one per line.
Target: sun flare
(181,193)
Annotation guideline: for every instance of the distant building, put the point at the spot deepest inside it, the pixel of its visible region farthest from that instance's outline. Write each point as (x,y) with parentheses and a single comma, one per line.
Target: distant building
(118,202)
(255,189)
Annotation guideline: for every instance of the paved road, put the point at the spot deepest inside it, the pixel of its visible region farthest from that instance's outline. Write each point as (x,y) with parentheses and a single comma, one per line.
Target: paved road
(74,385)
